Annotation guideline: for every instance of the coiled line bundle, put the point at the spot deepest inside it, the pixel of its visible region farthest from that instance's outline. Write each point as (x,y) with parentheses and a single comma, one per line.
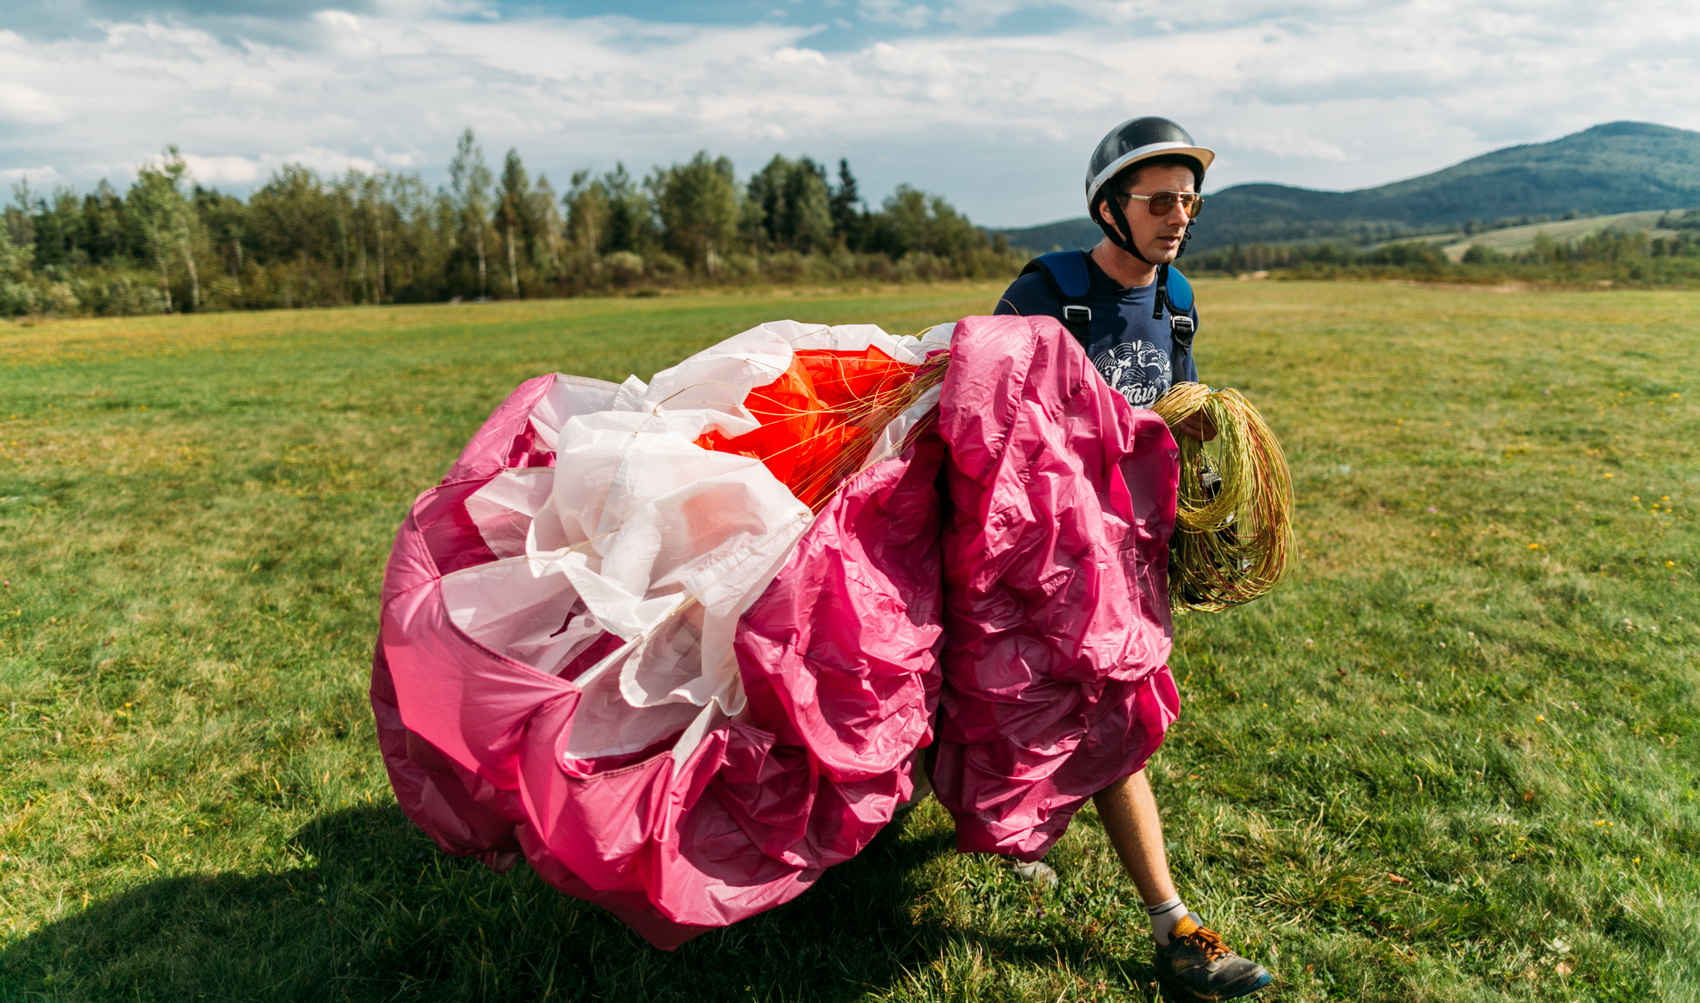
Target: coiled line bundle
(1234,504)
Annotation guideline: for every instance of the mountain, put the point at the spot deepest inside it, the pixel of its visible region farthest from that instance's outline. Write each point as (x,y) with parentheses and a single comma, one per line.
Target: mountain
(1615,167)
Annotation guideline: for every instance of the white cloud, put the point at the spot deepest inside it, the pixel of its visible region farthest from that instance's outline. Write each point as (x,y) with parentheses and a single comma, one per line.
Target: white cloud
(788,56)
(223,170)
(1286,142)
(23,105)
(435,8)
(328,162)
(1341,95)
(36,177)
(343,33)
(970,15)
(338,20)
(894,12)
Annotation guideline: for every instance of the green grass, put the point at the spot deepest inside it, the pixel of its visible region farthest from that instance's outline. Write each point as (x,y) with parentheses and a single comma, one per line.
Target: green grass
(1453,757)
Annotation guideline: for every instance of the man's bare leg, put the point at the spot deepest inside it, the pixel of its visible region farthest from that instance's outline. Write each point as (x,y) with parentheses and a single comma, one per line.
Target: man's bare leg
(1191,961)
(1129,814)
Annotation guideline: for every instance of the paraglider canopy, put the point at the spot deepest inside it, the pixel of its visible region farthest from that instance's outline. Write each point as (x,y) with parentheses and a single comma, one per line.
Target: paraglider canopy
(680,643)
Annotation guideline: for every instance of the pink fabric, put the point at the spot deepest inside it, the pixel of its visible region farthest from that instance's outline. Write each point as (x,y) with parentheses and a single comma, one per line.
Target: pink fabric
(1056,564)
(804,780)
(1022,608)
(506,439)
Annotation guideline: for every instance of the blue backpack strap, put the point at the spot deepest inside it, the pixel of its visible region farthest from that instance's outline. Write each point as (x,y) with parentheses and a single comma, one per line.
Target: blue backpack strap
(1069,280)
(1067,271)
(1175,293)
(1180,292)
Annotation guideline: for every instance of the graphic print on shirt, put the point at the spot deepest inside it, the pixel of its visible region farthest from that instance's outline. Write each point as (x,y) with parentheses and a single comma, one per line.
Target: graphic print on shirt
(1138,370)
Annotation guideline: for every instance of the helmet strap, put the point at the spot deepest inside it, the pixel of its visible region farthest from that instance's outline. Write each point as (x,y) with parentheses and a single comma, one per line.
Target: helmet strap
(1120,234)
(1115,233)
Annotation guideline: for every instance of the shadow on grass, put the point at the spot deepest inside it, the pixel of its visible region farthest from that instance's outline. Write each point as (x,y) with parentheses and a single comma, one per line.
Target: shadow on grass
(379,913)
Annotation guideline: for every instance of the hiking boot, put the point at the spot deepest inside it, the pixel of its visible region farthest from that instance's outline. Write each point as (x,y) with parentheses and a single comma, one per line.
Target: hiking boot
(1032,871)
(1196,965)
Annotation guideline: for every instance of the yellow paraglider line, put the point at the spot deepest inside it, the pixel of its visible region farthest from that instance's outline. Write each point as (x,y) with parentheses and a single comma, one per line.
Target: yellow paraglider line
(1231,538)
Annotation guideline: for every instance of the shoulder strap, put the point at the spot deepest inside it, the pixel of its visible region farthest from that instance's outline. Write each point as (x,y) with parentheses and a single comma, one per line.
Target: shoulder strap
(1174,292)
(1180,292)
(1066,273)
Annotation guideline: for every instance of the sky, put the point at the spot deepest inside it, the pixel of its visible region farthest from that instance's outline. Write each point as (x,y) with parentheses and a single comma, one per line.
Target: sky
(994,105)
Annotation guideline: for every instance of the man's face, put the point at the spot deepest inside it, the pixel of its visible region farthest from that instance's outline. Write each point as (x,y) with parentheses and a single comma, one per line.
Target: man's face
(1157,237)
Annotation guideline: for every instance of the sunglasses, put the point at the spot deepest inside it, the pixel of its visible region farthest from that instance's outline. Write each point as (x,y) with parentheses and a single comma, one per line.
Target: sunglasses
(1163,203)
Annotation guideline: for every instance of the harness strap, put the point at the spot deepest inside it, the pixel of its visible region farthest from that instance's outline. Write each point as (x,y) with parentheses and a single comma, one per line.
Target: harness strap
(1065,272)
(1069,279)
(1175,293)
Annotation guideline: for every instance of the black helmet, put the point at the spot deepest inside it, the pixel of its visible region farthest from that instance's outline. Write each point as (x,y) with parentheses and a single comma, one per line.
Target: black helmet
(1140,139)
(1132,142)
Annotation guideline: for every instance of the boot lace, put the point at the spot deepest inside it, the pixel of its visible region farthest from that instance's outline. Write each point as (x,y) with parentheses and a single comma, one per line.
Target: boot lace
(1207,942)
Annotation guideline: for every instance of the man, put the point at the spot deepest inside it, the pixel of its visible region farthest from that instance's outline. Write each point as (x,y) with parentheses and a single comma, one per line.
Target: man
(1119,300)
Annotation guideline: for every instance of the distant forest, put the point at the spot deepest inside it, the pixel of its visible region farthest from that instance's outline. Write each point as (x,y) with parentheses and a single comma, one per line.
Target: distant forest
(1626,257)
(168,244)
(300,240)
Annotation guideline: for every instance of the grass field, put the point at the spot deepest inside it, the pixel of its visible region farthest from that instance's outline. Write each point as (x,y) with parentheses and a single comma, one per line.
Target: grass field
(1516,239)
(1454,757)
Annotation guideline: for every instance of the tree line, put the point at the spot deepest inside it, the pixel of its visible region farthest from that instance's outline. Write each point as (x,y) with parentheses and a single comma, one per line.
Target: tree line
(301,239)
(1669,256)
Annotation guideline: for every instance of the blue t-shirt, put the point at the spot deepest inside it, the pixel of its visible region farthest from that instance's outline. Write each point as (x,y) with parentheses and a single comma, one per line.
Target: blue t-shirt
(1134,353)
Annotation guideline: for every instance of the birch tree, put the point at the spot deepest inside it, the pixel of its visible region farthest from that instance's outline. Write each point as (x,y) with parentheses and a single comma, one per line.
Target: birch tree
(550,228)
(513,211)
(159,208)
(469,179)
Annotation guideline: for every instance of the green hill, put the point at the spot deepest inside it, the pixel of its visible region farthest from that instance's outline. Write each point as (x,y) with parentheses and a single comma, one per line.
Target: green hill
(1613,168)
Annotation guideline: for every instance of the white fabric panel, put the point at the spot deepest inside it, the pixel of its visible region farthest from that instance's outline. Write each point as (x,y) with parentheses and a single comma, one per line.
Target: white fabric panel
(570,395)
(505,506)
(519,609)
(638,532)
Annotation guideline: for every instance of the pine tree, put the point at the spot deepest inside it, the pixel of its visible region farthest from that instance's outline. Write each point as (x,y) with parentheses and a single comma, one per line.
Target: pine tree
(849,215)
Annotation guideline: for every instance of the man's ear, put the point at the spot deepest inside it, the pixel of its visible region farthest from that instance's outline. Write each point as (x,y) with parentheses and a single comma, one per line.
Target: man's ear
(1109,218)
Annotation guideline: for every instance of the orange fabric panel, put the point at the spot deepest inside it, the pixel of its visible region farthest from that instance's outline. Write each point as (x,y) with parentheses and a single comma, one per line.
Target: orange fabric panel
(816,418)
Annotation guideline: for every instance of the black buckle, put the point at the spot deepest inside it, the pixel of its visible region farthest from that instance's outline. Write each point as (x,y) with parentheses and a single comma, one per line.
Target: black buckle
(1074,313)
